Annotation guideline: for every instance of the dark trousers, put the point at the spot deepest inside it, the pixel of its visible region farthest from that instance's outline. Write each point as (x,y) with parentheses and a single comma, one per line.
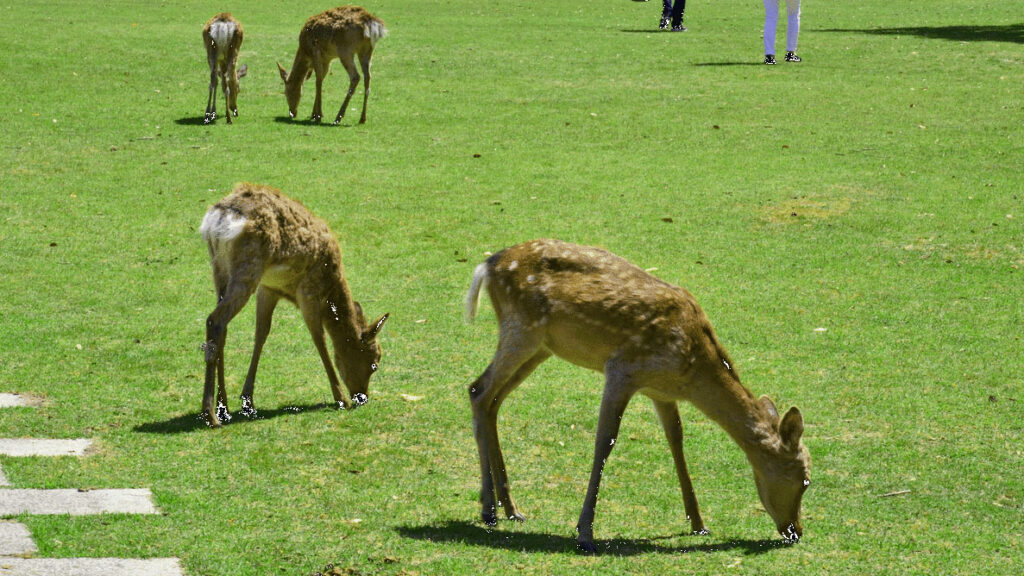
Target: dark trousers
(676,12)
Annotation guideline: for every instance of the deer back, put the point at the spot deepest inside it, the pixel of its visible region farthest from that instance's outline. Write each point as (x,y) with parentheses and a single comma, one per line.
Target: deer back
(590,305)
(349,27)
(258,226)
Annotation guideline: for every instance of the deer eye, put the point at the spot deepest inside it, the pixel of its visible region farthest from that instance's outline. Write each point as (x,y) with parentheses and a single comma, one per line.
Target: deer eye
(807,482)
(373,366)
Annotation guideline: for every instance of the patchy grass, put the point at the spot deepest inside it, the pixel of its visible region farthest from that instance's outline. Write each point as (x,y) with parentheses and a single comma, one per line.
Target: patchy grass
(888,309)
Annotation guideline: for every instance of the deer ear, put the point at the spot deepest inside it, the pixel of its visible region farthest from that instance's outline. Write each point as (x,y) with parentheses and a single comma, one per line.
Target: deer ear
(769,406)
(792,427)
(376,328)
(308,74)
(284,73)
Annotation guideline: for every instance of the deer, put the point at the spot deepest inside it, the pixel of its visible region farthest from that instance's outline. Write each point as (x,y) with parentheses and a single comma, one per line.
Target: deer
(222,36)
(599,311)
(343,33)
(261,241)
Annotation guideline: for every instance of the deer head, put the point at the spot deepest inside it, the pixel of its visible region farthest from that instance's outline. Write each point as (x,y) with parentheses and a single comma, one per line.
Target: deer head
(357,361)
(782,479)
(293,87)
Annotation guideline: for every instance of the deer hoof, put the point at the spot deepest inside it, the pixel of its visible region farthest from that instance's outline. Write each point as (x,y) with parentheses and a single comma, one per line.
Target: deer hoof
(517,517)
(248,410)
(316,118)
(209,419)
(222,413)
(586,547)
(489,518)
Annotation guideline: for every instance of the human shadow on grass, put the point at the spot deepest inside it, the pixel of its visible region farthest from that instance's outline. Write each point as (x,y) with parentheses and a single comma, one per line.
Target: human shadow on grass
(1013,33)
(455,531)
(644,31)
(194,421)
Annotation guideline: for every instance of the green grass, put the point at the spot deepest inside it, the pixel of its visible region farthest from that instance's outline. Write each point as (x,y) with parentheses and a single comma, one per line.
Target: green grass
(874,191)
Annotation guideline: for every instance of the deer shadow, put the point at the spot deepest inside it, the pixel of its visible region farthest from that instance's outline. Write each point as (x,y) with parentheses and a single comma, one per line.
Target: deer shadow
(750,63)
(192,121)
(1012,33)
(327,123)
(195,421)
(456,531)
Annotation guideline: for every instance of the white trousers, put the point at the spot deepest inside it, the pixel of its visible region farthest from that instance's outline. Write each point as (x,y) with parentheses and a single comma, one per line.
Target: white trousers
(771,21)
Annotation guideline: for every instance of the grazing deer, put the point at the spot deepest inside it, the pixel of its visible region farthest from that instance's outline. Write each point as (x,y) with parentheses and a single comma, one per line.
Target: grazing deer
(222,36)
(598,311)
(342,33)
(264,242)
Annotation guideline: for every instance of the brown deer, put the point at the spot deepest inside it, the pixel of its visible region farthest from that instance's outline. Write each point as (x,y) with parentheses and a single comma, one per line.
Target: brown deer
(342,33)
(222,36)
(264,242)
(598,311)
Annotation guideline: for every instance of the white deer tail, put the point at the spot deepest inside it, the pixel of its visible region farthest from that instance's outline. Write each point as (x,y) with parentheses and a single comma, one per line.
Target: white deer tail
(473,296)
(374,30)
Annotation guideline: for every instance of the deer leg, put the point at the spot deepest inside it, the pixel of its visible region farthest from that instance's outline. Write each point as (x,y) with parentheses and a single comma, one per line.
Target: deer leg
(232,299)
(266,301)
(311,314)
(226,88)
(321,72)
(510,366)
(223,413)
(364,61)
(211,97)
(668,414)
(353,81)
(495,458)
(617,393)
(233,86)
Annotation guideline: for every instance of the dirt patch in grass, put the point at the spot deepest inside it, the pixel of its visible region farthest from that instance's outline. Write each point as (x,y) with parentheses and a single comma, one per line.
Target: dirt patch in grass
(805,208)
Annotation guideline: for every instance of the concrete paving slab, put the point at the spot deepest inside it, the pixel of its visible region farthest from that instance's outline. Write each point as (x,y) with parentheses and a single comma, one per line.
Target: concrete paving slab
(15,539)
(43,447)
(89,567)
(75,502)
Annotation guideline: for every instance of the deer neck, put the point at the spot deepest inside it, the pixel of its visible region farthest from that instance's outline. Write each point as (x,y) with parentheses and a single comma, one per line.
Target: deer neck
(737,411)
(339,305)
(300,67)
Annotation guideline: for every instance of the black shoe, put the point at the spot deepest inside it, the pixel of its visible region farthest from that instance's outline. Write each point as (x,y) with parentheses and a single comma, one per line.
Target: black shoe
(792,57)
(679,28)
(769,58)
(664,22)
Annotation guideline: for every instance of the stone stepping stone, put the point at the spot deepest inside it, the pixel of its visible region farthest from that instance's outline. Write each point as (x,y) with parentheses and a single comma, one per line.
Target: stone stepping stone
(15,501)
(89,567)
(15,540)
(43,447)
(40,447)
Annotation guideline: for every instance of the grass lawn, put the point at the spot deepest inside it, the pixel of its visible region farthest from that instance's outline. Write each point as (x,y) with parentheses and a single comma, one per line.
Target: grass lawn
(852,225)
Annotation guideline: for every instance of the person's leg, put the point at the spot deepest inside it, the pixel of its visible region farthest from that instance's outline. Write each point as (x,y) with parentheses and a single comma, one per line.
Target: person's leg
(677,13)
(666,14)
(771,21)
(792,24)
